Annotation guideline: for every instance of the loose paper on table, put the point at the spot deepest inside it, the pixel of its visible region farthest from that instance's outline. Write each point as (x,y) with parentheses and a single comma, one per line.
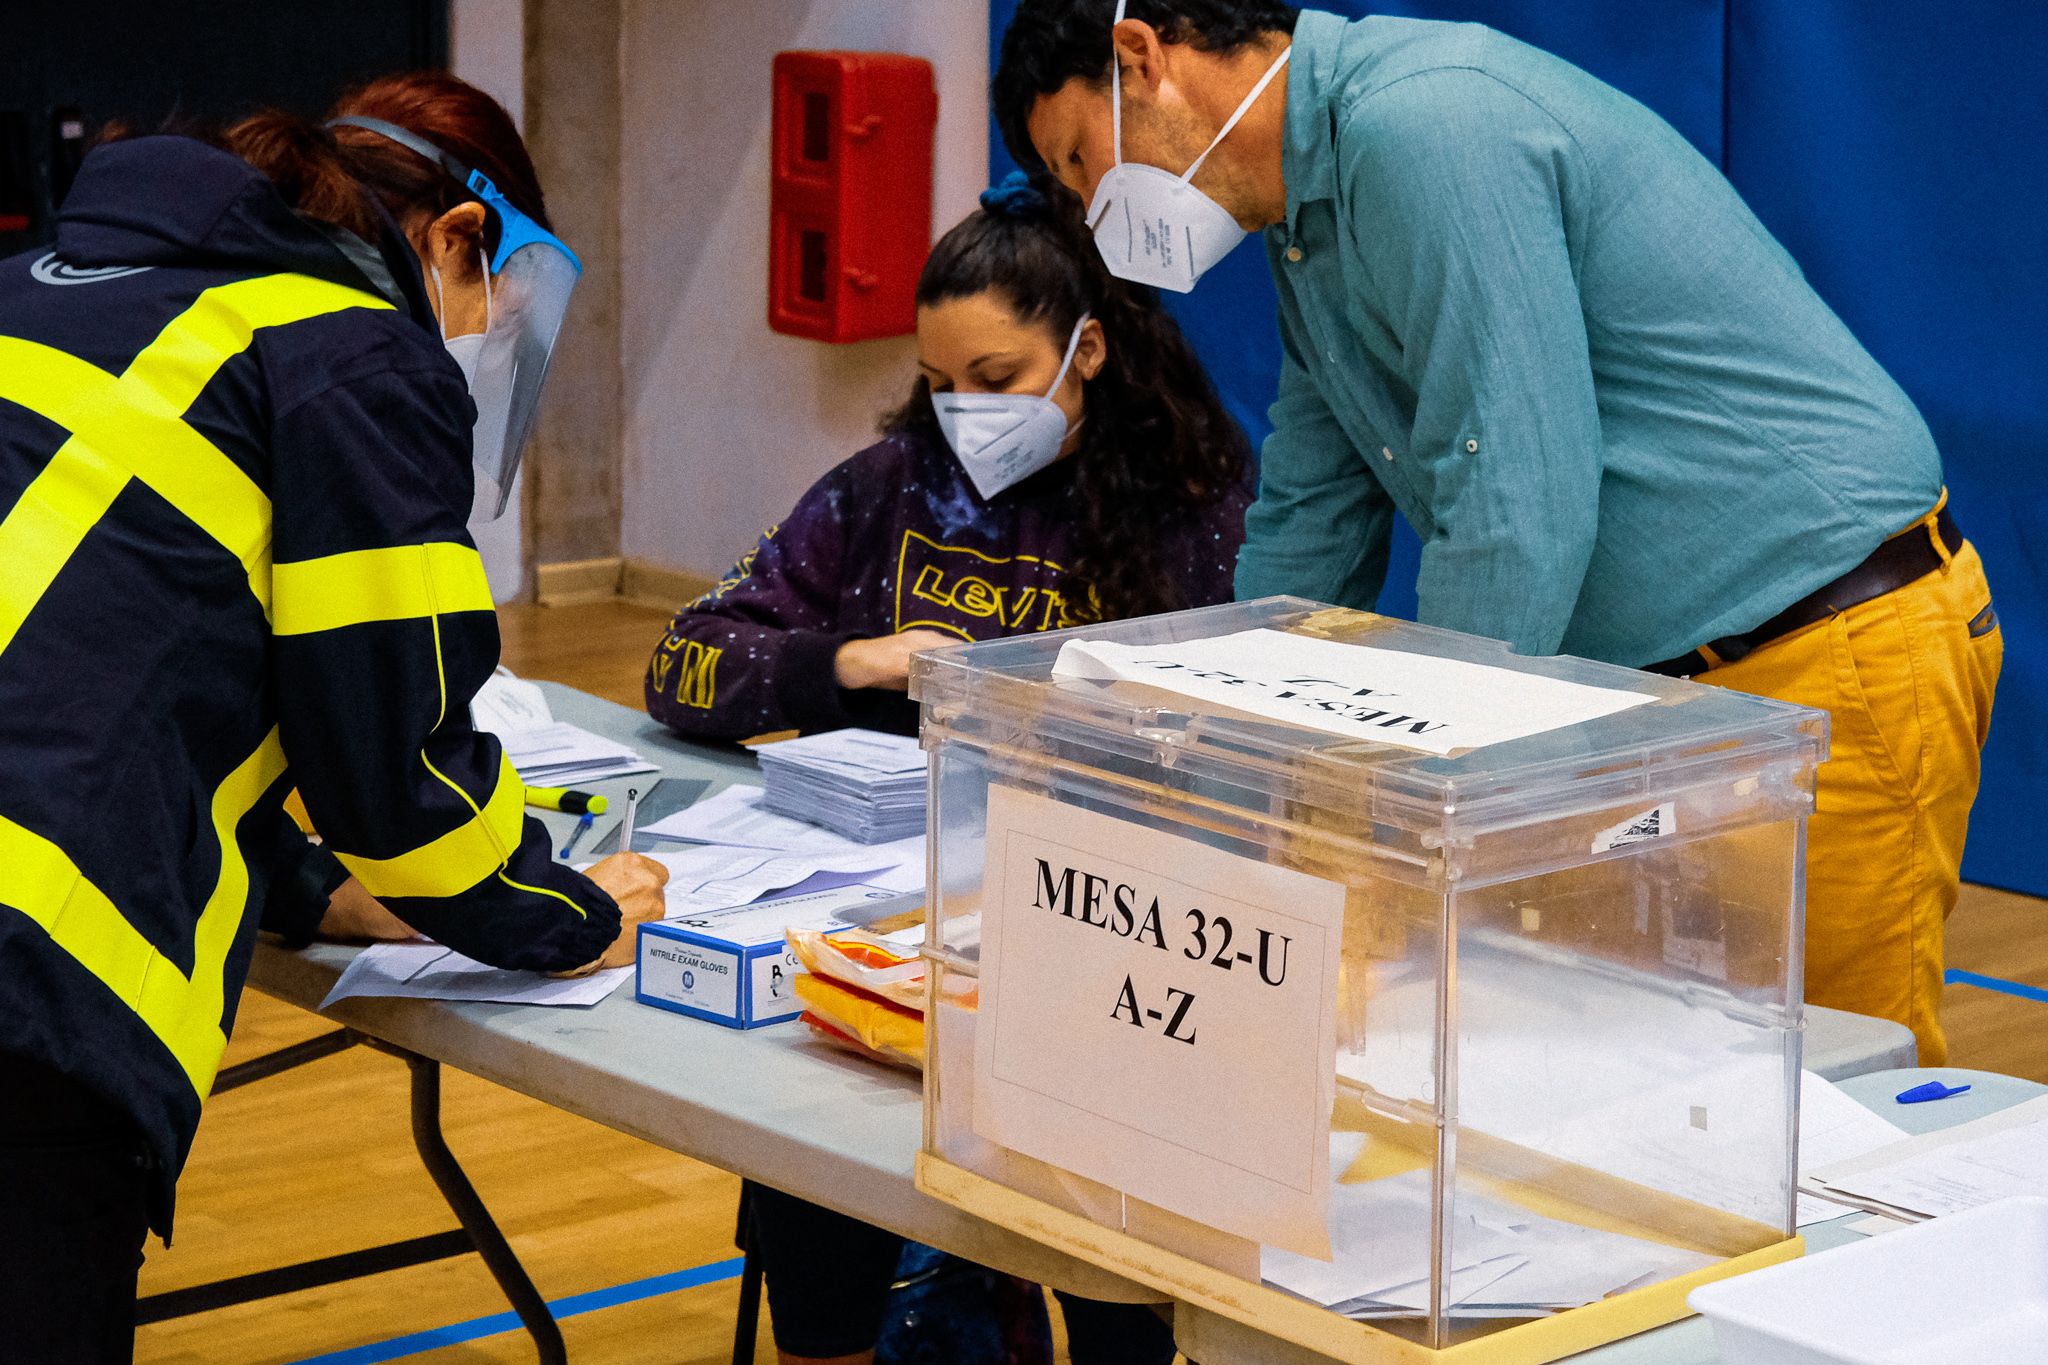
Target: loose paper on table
(544,751)
(1413,701)
(1834,1128)
(428,971)
(713,878)
(735,818)
(1952,1170)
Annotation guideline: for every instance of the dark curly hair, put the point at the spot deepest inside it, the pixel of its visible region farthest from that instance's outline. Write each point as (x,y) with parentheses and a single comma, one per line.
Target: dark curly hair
(1051,42)
(1156,446)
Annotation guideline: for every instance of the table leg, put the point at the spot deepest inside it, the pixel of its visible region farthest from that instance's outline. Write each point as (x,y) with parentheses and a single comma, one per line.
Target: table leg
(284,1059)
(474,1217)
(747,1326)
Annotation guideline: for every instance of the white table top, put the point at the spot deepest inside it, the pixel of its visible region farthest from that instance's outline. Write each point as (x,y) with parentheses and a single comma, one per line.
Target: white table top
(772,1104)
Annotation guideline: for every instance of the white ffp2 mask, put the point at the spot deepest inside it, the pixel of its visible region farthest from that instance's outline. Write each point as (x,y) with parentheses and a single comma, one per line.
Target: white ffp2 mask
(1152,226)
(490,387)
(1002,439)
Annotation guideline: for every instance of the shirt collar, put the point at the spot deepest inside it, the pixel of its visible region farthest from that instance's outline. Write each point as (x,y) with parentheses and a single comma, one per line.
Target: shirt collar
(1308,154)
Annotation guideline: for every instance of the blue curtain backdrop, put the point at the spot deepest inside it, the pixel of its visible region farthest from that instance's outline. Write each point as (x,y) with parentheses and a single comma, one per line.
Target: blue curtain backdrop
(1899,150)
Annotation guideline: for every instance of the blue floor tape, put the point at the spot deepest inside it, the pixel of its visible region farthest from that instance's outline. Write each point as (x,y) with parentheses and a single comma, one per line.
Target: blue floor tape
(1996,983)
(458,1332)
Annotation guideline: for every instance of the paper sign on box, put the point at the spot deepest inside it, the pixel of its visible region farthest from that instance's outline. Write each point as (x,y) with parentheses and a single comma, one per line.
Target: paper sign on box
(1386,696)
(1159,1015)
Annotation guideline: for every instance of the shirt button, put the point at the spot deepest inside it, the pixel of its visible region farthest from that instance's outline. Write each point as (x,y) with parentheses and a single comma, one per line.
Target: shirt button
(1386,452)
(1471,447)
(1294,254)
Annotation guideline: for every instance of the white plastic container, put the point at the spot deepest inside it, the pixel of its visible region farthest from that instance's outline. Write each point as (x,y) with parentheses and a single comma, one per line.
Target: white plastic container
(1969,1289)
(1563,1011)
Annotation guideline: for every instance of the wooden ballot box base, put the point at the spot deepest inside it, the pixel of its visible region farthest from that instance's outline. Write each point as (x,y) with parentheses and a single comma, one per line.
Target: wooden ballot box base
(1317,1329)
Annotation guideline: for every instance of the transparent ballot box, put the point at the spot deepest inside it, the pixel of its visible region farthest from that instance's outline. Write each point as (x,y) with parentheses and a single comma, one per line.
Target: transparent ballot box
(1369,984)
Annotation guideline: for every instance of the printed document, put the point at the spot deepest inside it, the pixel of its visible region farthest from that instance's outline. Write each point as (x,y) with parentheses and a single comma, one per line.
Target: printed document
(1412,701)
(428,971)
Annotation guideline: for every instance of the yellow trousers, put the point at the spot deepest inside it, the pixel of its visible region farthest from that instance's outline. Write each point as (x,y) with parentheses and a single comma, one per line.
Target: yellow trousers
(1907,681)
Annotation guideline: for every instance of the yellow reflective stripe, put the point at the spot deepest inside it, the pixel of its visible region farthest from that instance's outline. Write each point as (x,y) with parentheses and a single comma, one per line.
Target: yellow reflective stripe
(132,426)
(39,879)
(402,583)
(221,918)
(459,859)
(544,891)
(221,322)
(46,524)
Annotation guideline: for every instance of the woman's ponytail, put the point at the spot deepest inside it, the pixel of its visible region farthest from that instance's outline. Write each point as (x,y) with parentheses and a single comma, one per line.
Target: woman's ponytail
(307,166)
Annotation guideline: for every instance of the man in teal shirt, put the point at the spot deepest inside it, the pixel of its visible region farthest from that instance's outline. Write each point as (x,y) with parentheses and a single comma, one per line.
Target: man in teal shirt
(1518,308)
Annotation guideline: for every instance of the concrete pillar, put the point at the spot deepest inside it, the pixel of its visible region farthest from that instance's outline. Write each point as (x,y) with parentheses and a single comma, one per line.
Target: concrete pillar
(573,131)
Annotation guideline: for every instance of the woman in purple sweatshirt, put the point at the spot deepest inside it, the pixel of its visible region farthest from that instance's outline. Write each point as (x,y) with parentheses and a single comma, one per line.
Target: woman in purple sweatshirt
(896,550)
(1138,508)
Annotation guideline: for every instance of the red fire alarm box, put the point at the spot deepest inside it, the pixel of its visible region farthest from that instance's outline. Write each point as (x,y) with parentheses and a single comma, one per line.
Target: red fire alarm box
(850,202)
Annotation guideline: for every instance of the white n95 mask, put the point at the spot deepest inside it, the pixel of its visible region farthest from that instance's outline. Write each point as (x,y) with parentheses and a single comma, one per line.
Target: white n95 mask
(1002,439)
(490,372)
(1152,226)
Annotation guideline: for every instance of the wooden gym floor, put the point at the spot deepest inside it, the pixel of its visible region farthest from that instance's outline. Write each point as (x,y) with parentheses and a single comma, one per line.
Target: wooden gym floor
(319,1161)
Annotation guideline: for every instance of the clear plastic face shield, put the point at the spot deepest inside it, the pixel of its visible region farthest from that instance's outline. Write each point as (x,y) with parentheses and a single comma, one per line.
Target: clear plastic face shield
(531,275)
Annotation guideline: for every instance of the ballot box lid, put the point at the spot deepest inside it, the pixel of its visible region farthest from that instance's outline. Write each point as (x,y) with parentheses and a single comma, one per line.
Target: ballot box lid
(1259,695)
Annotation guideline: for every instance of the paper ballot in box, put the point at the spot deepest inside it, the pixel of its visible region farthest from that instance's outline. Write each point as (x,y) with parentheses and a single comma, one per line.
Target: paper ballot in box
(1364,982)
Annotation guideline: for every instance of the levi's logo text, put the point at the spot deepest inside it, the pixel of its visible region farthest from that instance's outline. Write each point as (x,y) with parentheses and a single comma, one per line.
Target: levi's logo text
(976,596)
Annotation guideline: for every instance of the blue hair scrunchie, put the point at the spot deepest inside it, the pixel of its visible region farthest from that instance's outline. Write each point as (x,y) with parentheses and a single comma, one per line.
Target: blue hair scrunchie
(1015,197)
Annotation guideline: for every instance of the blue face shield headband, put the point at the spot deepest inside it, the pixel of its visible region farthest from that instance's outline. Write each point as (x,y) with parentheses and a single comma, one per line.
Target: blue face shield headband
(532,274)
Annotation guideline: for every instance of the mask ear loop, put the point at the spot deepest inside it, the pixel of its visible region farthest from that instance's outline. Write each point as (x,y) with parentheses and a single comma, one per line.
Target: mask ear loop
(1067,361)
(483,265)
(1116,90)
(1242,110)
(441,298)
(440,301)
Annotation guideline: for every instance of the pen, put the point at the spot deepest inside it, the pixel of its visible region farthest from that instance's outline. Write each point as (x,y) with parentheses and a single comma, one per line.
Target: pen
(632,809)
(1932,1090)
(567,800)
(583,824)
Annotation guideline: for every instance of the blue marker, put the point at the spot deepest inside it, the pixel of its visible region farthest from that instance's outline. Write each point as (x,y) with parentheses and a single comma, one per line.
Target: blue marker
(583,824)
(1933,1090)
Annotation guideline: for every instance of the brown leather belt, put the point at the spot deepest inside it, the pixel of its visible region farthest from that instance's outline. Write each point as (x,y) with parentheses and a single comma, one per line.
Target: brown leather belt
(1904,558)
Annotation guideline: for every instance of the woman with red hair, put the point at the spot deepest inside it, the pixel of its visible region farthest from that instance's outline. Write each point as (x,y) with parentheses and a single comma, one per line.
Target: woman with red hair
(247,406)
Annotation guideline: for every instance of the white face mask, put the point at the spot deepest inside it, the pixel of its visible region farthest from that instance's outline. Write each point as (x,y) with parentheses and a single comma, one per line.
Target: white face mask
(1152,226)
(490,387)
(1002,439)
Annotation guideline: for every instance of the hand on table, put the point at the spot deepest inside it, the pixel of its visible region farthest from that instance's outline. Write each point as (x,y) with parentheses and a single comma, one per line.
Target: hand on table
(355,916)
(635,881)
(884,660)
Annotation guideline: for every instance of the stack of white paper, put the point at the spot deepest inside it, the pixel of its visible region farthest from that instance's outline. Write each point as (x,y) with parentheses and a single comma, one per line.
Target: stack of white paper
(1935,1174)
(711,878)
(546,752)
(559,754)
(864,784)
